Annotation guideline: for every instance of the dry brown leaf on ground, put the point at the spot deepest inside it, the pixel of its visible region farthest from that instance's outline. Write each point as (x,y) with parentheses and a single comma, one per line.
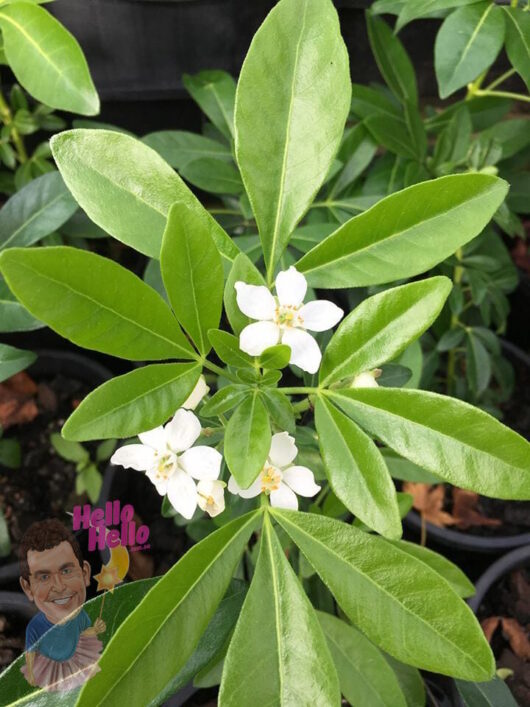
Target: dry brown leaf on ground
(489,626)
(518,638)
(429,501)
(17,404)
(465,510)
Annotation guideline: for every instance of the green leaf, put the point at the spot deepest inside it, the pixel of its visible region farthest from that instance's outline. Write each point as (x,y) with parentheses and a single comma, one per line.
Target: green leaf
(226,346)
(242,269)
(215,92)
(357,471)
(405,470)
(462,444)
(410,680)
(478,368)
(13,360)
(365,676)
(394,376)
(126,188)
(512,135)
(5,541)
(71,451)
(392,134)
(224,400)
(289,663)
(247,440)
(280,409)
(193,273)
(450,339)
(180,604)
(368,101)
(296,70)
(179,148)
(494,693)
(213,175)
(105,450)
(46,59)
(275,356)
(94,302)
(89,480)
(423,8)
(357,151)
(132,403)
(406,233)
(392,60)
(410,612)
(36,210)
(450,572)
(382,327)
(467,43)
(10,454)
(518,41)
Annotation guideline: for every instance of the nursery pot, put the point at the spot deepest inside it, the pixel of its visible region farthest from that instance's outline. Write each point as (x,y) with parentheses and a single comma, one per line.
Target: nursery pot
(72,365)
(512,561)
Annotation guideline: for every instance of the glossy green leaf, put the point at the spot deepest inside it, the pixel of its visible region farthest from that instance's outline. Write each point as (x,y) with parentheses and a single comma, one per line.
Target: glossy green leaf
(357,471)
(71,451)
(365,676)
(13,360)
(46,59)
(450,572)
(478,367)
(296,70)
(406,233)
(423,8)
(494,693)
(226,346)
(126,188)
(518,41)
(179,147)
(275,356)
(357,152)
(36,210)
(94,302)
(368,101)
(225,399)
(462,444)
(394,376)
(280,409)
(410,680)
(288,661)
(242,269)
(215,92)
(193,273)
(392,60)
(213,175)
(512,135)
(398,602)
(132,403)
(247,440)
(180,604)
(392,133)
(13,316)
(382,327)
(405,470)
(467,43)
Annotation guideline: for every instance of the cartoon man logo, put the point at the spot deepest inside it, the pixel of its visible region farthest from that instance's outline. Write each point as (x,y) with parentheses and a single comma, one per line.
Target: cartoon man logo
(55,576)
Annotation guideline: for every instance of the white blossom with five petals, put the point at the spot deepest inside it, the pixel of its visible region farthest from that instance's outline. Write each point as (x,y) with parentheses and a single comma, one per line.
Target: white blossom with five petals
(172,463)
(279,478)
(285,319)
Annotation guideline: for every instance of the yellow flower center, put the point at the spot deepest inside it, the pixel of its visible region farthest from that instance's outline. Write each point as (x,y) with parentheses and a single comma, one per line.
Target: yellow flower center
(287,316)
(270,479)
(165,466)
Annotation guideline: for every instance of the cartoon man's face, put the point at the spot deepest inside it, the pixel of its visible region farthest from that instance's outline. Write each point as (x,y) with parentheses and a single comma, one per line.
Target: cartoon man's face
(57,584)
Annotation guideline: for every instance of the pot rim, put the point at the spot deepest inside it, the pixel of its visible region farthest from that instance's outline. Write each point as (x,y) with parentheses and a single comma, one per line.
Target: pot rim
(511,561)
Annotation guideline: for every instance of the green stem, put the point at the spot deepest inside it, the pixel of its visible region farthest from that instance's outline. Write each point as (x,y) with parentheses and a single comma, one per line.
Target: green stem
(7,118)
(504,94)
(514,3)
(451,363)
(501,78)
(472,88)
(217,369)
(299,391)
(301,406)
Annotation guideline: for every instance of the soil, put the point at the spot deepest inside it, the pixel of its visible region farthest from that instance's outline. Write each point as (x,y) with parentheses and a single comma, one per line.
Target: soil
(12,631)
(43,486)
(510,598)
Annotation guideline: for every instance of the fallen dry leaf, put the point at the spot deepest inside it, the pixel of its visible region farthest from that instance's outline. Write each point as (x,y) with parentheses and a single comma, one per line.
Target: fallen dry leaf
(517,636)
(465,510)
(429,501)
(17,404)
(489,626)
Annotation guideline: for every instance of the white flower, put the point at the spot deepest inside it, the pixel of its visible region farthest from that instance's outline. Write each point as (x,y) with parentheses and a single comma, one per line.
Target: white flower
(366,379)
(285,319)
(196,395)
(168,457)
(211,497)
(279,478)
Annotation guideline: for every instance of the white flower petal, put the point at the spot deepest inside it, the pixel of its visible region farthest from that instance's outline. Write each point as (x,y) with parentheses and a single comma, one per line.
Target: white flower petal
(291,287)
(182,493)
(134,456)
(183,430)
(301,480)
(196,395)
(158,482)
(283,449)
(320,315)
(284,498)
(211,497)
(304,349)
(365,380)
(257,337)
(253,490)
(156,439)
(255,301)
(202,463)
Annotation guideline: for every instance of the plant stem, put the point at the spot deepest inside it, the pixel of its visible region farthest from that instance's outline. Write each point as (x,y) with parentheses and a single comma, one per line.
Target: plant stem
(514,3)
(504,94)
(451,363)
(217,369)
(472,88)
(501,78)
(299,391)
(301,406)
(7,119)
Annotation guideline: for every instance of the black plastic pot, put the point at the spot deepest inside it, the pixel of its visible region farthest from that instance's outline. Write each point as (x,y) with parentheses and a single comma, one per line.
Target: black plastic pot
(48,364)
(512,561)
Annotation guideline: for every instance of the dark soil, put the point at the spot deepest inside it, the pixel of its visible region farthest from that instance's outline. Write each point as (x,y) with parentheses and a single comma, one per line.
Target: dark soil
(43,486)
(12,632)
(510,598)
